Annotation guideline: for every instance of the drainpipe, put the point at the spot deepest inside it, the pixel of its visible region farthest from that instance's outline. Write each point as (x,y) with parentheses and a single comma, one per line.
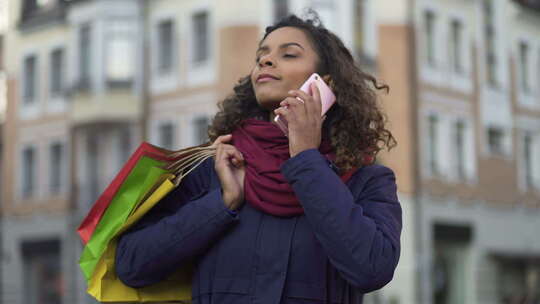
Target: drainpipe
(417,191)
(145,73)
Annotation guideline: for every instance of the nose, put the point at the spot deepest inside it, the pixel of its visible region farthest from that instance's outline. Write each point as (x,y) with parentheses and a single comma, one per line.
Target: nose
(266,61)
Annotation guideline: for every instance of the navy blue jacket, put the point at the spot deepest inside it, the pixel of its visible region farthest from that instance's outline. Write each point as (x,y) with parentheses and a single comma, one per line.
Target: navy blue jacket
(346,244)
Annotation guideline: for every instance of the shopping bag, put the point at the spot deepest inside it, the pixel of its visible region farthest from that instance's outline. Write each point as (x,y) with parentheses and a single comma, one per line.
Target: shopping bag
(105,286)
(90,222)
(141,181)
(133,194)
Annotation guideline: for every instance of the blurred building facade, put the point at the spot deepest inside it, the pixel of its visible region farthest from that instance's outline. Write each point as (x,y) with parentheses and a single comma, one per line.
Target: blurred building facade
(464,105)
(3,24)
(87,80)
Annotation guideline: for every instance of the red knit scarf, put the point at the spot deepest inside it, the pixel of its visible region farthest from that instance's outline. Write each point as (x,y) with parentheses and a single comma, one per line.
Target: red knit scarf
(265,148)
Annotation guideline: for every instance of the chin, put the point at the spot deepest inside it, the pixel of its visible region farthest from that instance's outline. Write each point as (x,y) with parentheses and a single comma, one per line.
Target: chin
(269,104)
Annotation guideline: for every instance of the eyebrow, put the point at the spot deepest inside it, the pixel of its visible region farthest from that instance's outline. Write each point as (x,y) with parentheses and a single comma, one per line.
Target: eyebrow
(283,46)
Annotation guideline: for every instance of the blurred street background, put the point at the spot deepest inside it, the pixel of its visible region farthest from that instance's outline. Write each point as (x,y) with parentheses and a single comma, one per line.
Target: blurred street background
(83,82)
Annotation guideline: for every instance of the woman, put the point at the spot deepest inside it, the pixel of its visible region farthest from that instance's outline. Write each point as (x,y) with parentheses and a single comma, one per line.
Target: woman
(269,220)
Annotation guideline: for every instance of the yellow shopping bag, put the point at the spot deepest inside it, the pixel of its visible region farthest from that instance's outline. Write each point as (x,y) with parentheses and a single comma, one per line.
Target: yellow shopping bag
(105,286)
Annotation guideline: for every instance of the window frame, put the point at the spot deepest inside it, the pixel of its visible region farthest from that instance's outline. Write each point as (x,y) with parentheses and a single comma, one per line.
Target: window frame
(62,170)
(429,34)
(109,37)
(457,45)
(196,131)
(22,195)
(173,133)
(196,40)
(280,9)
(204,72)
(164,82)
(26,101)
(159,49)
(433,144)
(524,59)
(85,75)
(57,92)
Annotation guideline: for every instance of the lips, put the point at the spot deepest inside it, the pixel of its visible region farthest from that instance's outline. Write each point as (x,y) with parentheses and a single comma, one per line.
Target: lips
(266,77)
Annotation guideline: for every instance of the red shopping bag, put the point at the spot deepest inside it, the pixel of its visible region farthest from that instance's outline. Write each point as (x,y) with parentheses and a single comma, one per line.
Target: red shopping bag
(91,220)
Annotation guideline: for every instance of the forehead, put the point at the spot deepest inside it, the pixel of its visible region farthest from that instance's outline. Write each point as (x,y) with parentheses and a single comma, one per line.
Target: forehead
(286,35)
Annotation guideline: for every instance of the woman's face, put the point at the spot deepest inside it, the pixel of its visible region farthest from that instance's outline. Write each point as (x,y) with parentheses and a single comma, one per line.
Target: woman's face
(285,59)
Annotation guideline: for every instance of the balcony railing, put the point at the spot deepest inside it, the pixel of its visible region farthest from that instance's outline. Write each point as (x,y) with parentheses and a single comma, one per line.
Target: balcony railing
(34,15)
(531,4)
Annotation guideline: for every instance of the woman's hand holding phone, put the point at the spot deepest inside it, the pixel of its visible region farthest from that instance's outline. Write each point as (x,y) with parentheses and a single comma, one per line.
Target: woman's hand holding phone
(304,119)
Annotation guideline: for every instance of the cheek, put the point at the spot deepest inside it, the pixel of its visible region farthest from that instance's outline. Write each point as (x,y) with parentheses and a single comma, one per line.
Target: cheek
(298,77)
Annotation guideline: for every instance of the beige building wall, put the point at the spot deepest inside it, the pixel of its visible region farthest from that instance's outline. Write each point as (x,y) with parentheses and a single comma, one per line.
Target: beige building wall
(396,69)
(45,122)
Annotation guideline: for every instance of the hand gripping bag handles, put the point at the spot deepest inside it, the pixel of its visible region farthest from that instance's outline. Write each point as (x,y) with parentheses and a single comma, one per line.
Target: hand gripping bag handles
(152,175)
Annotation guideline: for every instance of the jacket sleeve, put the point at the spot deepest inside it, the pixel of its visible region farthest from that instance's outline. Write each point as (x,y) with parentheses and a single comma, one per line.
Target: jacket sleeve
(359,228)
(179,228)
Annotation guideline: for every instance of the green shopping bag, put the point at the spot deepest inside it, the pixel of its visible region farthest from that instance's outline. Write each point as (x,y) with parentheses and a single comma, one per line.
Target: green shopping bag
(140,183)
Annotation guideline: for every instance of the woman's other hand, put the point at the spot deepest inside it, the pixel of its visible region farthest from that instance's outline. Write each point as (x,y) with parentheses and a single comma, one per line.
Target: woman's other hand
(229,165)
(304,119)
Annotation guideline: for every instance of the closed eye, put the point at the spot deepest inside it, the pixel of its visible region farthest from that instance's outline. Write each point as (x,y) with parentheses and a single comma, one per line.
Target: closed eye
(257,59)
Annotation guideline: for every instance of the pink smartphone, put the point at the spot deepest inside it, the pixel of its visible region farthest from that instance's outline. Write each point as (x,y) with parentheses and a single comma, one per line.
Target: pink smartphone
(327,99)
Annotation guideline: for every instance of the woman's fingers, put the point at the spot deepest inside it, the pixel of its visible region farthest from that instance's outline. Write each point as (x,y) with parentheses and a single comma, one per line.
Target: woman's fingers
(229,165)
(226,154)
(312,102)
(292,108)
(222,139)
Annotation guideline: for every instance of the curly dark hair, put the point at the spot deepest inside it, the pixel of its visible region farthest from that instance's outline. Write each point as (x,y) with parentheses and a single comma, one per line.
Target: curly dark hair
(355,124)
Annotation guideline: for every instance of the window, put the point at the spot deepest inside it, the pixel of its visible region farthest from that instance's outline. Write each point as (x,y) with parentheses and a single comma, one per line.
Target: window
(85,53)
(28,172)
(457,41)
(359,28)
(429,23)
(538,72)
(201,130)
(166,135)
(43,2)
(57,75)
(125,145)
(30,79)
(281,9)
(451,255)
(527,160)
(92,168)
(489,43)
(495,140)
(2,27)
(120,54)
(56,161)
(433,144)
(42,272)
(516,279)
(1,169)
(30,7)
(3,19)
(524,62)
(201,37)
(166,46)
(460,148)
